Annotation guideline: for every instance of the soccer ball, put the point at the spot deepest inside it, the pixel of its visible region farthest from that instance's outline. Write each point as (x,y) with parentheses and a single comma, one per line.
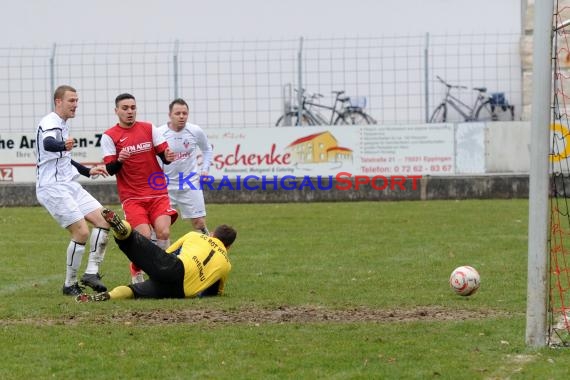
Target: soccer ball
(464,280)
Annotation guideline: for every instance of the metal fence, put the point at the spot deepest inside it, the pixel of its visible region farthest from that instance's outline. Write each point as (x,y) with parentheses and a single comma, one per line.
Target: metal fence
(244,83)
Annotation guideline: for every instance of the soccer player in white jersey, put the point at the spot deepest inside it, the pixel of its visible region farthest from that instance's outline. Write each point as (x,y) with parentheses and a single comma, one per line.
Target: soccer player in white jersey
(188,142)
(64,198)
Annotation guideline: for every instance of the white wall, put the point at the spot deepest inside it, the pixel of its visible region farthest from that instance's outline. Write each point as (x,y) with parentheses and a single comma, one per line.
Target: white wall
(507,148)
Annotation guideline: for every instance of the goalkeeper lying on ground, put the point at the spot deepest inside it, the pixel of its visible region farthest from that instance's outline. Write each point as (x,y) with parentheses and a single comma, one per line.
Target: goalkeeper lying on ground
(196,265)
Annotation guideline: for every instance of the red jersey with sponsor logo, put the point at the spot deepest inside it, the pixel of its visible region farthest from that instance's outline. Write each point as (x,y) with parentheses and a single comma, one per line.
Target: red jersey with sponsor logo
(143,142)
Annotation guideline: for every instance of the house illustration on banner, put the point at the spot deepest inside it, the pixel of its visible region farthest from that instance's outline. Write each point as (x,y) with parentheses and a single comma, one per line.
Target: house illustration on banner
(318,148)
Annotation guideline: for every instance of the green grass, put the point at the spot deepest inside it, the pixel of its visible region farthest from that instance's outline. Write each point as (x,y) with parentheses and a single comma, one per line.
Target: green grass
(318,291)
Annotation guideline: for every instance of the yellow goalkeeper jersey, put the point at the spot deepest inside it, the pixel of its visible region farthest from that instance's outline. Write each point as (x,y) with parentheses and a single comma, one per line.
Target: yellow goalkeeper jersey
(205,262)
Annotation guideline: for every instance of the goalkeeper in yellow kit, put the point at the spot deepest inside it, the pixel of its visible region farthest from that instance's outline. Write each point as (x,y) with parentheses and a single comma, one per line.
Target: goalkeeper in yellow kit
(196,265)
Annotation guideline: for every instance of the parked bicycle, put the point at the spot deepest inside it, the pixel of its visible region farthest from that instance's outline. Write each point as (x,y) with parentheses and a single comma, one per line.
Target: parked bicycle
(345,110)
(486,107)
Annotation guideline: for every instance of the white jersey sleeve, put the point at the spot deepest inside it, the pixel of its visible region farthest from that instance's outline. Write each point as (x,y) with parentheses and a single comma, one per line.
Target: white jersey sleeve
(108,146)
(205,147)
(157,136)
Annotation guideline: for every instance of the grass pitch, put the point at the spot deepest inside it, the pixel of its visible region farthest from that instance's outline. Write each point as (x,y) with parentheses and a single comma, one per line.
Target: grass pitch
(318,291)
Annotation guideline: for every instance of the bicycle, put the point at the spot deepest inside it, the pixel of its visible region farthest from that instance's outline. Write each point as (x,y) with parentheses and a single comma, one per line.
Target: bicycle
(486,107)
(345,110)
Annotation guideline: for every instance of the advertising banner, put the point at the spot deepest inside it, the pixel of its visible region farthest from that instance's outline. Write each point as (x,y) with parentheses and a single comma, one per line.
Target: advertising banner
(371,150)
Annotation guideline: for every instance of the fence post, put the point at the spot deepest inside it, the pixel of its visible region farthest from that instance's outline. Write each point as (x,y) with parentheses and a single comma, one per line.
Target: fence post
(175,67)
(52,74)
(286,91)
(300,82)
(426,77)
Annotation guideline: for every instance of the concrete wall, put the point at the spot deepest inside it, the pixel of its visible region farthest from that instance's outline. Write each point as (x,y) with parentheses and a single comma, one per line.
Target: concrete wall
(507,148)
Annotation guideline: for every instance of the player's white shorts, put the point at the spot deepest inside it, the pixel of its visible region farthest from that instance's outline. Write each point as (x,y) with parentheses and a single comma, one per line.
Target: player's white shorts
(67,202)
(190,203)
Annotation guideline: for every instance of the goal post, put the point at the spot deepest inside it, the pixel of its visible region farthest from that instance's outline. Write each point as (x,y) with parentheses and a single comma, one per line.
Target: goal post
(538,221)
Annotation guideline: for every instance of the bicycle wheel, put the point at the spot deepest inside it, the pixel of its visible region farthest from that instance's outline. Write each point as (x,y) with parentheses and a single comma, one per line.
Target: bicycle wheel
(490,112)
(292,118)
(354,117)
(439,115)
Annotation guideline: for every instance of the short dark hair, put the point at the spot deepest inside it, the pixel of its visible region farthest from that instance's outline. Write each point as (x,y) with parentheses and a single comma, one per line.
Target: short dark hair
(123,96)
(180,101)
(226,234)
(60,91)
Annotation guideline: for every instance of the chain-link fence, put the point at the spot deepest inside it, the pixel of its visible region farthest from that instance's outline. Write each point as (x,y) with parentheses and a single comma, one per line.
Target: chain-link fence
(251,83)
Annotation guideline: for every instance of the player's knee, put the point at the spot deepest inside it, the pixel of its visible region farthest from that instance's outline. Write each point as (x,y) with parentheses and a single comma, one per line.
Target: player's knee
(162,233)
(80,235)
(79,231)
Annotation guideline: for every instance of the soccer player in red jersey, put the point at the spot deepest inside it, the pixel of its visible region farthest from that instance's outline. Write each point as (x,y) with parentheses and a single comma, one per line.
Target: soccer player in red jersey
(129,152)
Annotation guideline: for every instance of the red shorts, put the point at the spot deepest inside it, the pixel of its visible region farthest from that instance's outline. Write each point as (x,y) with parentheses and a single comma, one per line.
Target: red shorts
(146,210)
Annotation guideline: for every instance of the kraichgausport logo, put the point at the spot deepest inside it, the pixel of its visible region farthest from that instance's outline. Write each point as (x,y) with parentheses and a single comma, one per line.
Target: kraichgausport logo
(341,181)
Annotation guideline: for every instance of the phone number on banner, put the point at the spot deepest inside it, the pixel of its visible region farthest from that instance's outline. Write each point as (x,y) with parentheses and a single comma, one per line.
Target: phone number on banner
(420,169)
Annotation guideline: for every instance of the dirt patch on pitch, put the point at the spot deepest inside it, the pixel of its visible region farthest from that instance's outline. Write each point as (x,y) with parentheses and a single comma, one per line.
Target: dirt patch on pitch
(305,314)
(258,316)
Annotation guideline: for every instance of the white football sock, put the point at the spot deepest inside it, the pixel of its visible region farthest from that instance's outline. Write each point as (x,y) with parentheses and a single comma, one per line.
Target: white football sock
(74,255)
(97,247)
